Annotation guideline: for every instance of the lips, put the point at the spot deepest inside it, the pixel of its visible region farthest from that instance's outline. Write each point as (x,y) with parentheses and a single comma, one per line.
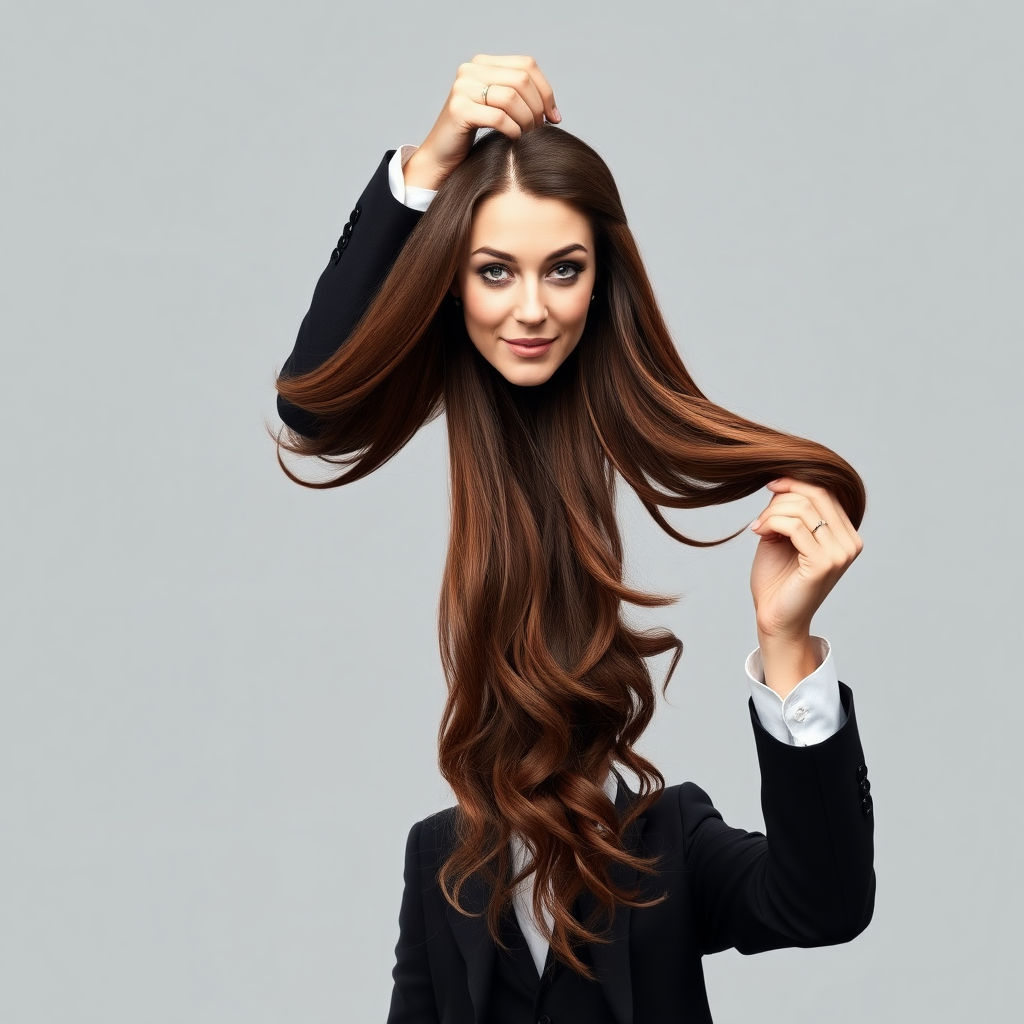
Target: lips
(529,347)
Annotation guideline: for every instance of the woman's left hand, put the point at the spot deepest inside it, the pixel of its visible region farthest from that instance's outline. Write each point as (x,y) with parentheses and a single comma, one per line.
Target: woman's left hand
(797,563)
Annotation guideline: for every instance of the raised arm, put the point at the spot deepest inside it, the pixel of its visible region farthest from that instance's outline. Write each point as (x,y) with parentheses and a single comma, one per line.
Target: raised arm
(810,880)
(371,240)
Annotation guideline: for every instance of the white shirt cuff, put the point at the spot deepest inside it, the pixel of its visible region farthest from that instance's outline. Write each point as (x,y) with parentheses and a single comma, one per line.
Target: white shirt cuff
(408,195)
(812,710)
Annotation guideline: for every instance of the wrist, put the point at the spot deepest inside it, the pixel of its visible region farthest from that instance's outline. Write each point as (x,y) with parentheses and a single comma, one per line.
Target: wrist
(787,660)
(422,171)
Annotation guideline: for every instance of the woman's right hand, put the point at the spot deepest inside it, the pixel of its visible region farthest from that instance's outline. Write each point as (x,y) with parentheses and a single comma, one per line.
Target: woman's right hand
(518,99)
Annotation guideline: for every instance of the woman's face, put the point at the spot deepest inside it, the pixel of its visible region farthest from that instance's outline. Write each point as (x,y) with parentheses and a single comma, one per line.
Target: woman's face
(526,283)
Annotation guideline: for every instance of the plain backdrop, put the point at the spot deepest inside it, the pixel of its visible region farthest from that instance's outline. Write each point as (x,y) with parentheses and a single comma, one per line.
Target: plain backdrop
(220,691)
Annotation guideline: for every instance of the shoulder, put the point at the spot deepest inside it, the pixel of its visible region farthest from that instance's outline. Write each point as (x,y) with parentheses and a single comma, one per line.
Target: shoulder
(683,806)
(432,840)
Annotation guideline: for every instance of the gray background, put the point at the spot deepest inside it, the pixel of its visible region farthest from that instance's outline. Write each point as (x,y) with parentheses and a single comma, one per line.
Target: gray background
(220,691)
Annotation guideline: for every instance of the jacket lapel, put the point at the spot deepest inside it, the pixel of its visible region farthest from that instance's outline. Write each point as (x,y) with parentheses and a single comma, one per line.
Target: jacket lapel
(611,959)
(475,942)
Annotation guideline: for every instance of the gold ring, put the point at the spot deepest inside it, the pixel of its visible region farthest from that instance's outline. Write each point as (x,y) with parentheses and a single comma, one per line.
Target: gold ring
(483,95)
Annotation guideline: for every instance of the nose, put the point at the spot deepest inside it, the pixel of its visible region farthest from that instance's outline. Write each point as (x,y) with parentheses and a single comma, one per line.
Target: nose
(530,308)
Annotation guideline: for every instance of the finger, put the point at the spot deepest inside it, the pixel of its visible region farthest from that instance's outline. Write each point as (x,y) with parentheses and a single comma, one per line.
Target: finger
(798,506)
(838,546)
(478,115)
(520,81)
(472,113)
(506,98)
(821,497)
(796,532)
(828,509)
(529,65)
(502,83)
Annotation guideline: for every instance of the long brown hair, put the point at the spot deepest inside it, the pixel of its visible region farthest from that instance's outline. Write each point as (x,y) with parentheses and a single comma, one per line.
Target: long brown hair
(548,687)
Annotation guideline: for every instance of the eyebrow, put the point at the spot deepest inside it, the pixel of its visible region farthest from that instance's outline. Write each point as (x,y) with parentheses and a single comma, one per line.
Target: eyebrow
(509,258)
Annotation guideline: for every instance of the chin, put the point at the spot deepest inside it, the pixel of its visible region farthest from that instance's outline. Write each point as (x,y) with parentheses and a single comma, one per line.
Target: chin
(528,376)
(528,380)
(530,373)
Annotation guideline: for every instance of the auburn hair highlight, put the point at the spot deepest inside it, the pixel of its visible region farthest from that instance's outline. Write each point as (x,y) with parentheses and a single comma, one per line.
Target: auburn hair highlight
(548,686)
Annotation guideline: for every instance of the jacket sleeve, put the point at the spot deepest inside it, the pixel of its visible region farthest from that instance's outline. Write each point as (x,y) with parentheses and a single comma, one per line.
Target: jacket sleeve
(369,244)
(810,881)
(412,999)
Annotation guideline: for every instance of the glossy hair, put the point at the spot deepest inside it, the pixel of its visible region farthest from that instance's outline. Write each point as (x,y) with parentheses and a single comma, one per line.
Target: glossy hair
(548,686)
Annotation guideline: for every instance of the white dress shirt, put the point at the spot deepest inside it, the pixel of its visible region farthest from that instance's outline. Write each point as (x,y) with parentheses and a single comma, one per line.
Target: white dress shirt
(809,714)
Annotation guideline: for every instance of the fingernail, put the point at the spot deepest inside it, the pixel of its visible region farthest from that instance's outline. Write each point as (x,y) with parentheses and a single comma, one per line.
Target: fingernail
(558,116)
(755,524)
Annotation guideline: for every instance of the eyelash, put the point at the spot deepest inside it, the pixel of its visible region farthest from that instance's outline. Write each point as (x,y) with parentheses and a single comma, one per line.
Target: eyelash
(497,282)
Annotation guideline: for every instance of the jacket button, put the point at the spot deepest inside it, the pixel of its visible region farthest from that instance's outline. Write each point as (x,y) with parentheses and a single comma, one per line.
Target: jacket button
(346,230)
(335,256)
(862,773)
(866,804)
(865,787)
(354,215)
(343,243)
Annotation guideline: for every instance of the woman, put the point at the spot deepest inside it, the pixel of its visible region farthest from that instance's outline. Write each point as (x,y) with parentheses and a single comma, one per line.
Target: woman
(518,305)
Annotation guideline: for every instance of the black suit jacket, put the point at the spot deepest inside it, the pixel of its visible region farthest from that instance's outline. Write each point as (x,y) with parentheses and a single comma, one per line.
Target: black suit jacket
(809,883)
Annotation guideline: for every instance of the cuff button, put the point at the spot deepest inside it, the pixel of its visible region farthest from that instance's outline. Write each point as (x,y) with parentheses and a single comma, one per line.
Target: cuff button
(862,773)
(867,804)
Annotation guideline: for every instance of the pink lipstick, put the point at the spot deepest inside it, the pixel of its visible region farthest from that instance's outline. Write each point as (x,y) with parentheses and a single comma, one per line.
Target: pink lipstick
(529,348)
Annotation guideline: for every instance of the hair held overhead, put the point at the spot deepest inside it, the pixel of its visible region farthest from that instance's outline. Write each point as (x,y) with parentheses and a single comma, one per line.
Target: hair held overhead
(547,685)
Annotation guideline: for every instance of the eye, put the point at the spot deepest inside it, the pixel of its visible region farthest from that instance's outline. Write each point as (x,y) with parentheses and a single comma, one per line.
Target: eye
(567,272)
(494,273)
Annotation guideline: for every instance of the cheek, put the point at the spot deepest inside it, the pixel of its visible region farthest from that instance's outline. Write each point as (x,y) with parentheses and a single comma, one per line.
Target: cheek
(483,306)
(573,311)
